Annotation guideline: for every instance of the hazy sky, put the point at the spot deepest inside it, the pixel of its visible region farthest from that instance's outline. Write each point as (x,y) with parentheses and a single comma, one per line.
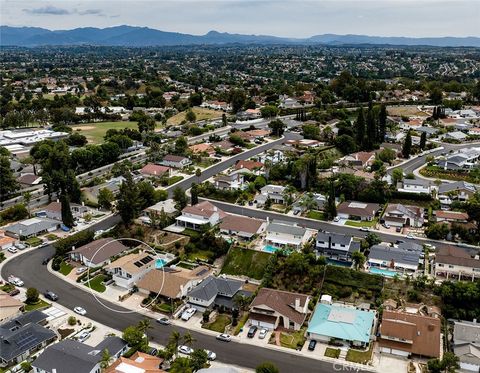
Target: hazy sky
(290,18)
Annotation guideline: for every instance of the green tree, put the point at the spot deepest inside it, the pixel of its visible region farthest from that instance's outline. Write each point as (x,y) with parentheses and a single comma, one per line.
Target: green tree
(188,339)
(267,367)
(423,140)
(27,197)
(174,340)
(8,184)
(237,99)
(190,116)
(198,359)
(105,360)
(105,198)
(397,175)
(407,145)
(67,217)
(382,123)
(371,128)
(135,338)
(180,198)
(269,111)
(311,131)
(346,144)
(146,124)
(360,128)
(331,207)
(194,194)
(448,364)
(181,365)
(277,127)
(32,296)
(436,96)
(181,145)
(358,259)
(128,200)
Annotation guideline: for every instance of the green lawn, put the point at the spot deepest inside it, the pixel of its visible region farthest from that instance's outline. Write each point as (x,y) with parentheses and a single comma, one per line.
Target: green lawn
(251,263)
(357,356)
(33,241)
(96,283)
(354,223)
(293,340)
(65,268)
(317,215)
(95,131)
(219,324)
(199,254)
(7,288)
(174,179)
(36,306)
(241,323)
(201,113)
(332,352)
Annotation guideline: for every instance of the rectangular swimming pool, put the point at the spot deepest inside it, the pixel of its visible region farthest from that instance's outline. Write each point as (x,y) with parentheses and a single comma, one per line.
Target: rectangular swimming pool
(339,263)
(270,249)
(383,272)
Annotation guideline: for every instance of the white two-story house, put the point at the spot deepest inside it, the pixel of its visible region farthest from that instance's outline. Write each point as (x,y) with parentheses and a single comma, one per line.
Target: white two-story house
(127,270)
(286,235)
(199,215)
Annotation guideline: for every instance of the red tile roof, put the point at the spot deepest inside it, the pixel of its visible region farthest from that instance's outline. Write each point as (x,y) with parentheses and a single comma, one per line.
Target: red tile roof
(154,169)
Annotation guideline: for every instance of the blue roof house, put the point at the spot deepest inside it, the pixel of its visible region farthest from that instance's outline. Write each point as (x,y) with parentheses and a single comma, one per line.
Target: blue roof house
(339,322)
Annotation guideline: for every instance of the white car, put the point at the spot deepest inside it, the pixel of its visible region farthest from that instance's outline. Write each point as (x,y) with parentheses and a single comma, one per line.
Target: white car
(83,336)
(211,355)
(80,311)
(263,333)
(99,232)
(365,229)
(336,219)
(224,337)
(12,249)
(80,270)
(187,314)
(185,350)
(15,281)
(410,236)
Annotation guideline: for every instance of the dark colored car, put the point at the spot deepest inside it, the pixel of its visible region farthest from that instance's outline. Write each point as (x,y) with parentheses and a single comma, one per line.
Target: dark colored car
(45,261)
(251,332)
(311,345)
(50,295)
(153,351)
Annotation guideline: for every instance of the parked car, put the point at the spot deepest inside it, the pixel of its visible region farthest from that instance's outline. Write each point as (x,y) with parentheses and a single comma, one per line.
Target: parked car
(14,292)
(15,281)
(164,321)
(83,336)
(336,219)
(386,225)
(50,295)
(153,351)
(410,236)
(365,229)
(80,311)
(45,261)
(80,270)
(263,333)
(224,337)
(398,229)
(12,249)
(185,350)
(211,355)
(20,246)
(312,344)
(188,313)
(252,331)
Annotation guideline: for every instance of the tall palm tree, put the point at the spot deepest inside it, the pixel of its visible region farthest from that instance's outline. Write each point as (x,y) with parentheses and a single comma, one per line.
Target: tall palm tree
(174,340)
(105,361)
(144,325)
(188,339)
(181,365)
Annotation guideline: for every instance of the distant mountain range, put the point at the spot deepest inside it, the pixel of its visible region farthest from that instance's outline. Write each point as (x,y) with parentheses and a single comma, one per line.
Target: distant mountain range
(131,36)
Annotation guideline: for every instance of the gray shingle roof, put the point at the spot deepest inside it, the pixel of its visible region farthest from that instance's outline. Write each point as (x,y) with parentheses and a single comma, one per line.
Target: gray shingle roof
(32,226)
(213,286)
(388,254)
(336,238)
(448,187)
(286,228)
(466,331)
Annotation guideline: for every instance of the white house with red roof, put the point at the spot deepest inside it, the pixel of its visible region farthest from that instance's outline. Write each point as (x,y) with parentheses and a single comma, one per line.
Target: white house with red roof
(155,170)
(199,215)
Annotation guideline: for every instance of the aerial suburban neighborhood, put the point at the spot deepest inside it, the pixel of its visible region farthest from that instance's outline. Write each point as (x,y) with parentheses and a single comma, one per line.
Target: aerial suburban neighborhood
(237,203)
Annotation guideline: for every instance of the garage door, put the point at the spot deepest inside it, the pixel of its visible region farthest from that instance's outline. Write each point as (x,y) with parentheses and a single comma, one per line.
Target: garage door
(263,324)
(394,351)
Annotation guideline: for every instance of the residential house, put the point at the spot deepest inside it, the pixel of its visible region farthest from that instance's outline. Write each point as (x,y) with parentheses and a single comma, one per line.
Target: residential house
(360,159)
(199,215)
(398,215)
(276,308)
(430,131)
(166,207)
(97,253)
(319,200)
(286,235)
(172,283)
(357,210)
(54,210)
(466,344)
(336,246)
(394,258)
(253,167)
(304,143)
(456,263)
(450,216)
(249,114)
(28,180)
(242,226)
(232,181)
(9,306)
(456,135)
(71,356)
(458,190)
(274,193)
(474,131)
(202,148)
(175,161)
(139,362)
(339,322)
(6,242)
(463,159)
(155,170)
(273,156)
(214,291)
(405,334)
(127,270)
(224,146)
(22,336)
(415,186)
(289,103)
(31,227)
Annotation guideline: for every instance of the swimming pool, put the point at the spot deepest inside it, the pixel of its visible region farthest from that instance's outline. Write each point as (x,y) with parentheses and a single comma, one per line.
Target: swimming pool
(160,263)
(339,263)
(383,272)
(270,249)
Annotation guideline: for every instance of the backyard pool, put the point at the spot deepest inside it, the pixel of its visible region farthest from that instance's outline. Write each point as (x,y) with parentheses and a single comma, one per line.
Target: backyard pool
(160,263)
(339,263)
(383,272)
(270,249)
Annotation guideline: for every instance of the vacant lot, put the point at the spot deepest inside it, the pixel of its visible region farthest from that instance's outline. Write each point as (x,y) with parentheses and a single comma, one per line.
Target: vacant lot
(95,131)
(244,262)
(406,111)
(201,113)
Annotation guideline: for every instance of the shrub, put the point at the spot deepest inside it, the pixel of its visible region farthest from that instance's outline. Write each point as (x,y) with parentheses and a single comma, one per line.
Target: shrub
(72,320)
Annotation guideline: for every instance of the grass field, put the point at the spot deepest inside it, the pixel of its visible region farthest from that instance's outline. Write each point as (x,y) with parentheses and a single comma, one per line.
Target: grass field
(317,215)
(219,324)
(36,306)
(357,356)
(246,262)
(293,340)
(354,223)
(94,132)
(65,268)
(201,113)
(96,283)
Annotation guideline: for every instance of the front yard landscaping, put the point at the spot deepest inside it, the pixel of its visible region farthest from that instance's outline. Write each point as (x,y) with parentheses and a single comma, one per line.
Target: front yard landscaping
(65,268)
(245,262)
(36,306)
(96,283)
(241,323)
(219,324)
(359,356)
(367,224)
(332,352)
(293,340)
(315,214)
(33,241)
(436,172)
